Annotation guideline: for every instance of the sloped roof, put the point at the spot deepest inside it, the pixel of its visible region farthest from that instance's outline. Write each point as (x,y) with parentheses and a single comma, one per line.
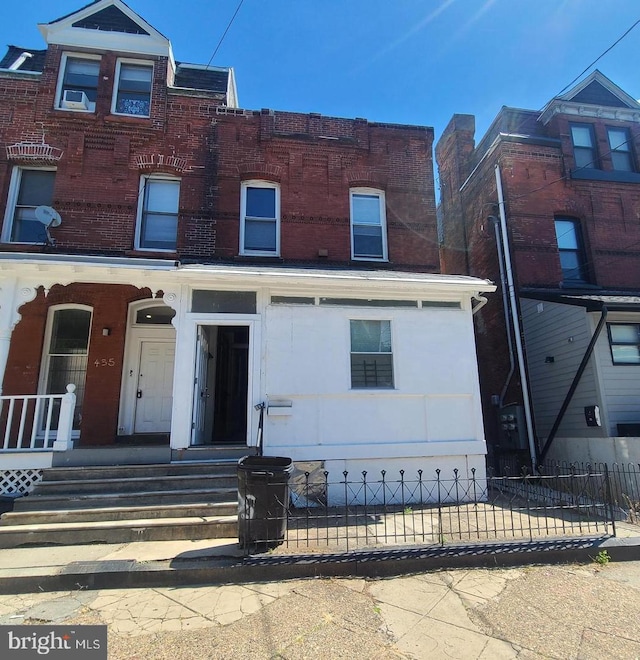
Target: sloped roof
(192,76)
(597,89)
(590,96)
(111,19)
(33,63)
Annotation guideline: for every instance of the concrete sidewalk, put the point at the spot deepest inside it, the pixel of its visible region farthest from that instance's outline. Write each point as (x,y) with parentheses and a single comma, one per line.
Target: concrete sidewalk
(531,613)
(220,561)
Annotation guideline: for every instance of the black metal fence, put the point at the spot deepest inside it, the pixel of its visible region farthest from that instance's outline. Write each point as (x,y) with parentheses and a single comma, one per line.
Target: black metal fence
(320,512)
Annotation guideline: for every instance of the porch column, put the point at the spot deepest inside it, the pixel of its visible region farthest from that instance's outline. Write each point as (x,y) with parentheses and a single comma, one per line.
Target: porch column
(13,295)
(178,299)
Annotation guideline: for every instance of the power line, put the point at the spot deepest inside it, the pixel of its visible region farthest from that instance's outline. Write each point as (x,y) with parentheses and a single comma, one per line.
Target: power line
(615,43)
(225,33)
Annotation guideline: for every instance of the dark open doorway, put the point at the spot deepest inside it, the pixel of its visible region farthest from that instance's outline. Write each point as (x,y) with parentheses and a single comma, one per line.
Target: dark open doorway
(222,379)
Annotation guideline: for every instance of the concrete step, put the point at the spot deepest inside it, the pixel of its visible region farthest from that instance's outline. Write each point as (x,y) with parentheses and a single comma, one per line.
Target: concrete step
(49,502)
(85,473)
(130,484)
(43,517)
(123,531)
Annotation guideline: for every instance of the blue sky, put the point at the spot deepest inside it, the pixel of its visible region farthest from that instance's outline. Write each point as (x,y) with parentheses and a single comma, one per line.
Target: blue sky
(399,61)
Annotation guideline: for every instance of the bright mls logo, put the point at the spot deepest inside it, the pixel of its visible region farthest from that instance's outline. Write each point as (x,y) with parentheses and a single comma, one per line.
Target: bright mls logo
(53,642)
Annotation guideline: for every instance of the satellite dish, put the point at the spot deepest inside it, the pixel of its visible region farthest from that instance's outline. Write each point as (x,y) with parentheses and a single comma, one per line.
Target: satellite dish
(48,216)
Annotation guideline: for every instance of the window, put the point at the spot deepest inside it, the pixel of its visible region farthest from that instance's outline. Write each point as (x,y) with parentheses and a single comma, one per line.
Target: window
(584,150)
(158,213)
(260,218)
(371,357)
(78,86)
(132,92)
(368,224)
(29,189)
(572,254)
(155,315)
(624,339)
(620,144)
(67,352)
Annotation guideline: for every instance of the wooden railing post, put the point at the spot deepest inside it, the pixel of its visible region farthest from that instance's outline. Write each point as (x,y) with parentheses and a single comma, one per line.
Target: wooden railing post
(63,440)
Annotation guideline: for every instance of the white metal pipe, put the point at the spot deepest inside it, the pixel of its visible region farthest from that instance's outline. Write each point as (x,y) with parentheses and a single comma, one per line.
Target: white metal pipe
(515,320)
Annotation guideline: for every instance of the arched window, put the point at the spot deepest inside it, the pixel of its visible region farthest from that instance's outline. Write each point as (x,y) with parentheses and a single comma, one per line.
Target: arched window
(66,352)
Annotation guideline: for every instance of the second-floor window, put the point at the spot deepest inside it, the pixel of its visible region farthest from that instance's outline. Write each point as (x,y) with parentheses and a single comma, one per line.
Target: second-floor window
(368,224)
(624,340)
(584,146)
(571,248)
(29,189)
(132,89)
(260,218)
(158,213)
(620,146)
(78,84)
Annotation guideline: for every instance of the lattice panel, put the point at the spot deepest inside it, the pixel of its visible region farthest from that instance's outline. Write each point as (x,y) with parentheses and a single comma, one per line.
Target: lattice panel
(19,482)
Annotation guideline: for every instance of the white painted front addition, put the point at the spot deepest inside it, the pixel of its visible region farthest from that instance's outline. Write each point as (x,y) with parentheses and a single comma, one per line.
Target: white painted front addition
(299,363)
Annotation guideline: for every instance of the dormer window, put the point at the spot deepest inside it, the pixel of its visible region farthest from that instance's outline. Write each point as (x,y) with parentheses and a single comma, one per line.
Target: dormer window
(132,90)
(78,83)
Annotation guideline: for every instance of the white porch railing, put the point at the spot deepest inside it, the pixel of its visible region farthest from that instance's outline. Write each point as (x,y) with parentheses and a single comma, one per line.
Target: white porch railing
(37,422)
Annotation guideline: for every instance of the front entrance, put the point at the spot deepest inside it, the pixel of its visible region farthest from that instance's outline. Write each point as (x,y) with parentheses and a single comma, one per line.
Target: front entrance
(155,388)
(146,398)
(221,386)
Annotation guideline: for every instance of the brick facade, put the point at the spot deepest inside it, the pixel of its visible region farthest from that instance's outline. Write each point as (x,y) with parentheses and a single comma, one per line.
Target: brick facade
(193,136)
(540,181)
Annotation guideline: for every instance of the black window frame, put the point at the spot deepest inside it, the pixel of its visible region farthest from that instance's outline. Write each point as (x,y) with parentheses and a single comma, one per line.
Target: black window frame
(580,250)
(627,149)
(592,162)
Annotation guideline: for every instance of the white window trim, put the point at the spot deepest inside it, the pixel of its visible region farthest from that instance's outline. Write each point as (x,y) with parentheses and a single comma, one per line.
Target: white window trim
(141,188)
(383,222)
(258,183)
(12,200)
(61,72)
(392,324)
(46,356)
(116,84)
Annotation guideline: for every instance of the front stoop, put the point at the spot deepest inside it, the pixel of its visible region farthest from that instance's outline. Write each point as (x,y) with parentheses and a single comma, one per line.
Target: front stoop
(119,504)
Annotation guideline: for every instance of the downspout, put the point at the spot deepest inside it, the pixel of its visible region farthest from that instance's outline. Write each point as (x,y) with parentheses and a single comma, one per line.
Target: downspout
(516,322)
(482,301)
(574,384)
(505,306)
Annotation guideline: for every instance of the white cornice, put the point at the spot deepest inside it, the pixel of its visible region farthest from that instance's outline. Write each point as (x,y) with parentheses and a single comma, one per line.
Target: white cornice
(560,107)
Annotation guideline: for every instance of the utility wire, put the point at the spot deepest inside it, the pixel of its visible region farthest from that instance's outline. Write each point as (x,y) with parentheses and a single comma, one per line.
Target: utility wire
(613,45)
(224,33)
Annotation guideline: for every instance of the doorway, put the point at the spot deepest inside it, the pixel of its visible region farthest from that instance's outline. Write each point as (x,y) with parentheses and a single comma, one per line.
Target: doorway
(221,385)
(155,387)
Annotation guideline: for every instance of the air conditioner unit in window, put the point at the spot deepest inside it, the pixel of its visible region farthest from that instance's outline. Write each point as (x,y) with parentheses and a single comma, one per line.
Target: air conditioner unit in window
(75,99)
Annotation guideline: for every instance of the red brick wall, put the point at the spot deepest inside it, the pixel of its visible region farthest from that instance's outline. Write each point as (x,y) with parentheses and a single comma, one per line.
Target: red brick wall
(104,370)
(537,187)
(314,158)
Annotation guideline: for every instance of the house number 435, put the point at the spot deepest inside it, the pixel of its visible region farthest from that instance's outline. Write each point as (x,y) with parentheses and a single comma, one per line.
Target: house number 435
(105,362)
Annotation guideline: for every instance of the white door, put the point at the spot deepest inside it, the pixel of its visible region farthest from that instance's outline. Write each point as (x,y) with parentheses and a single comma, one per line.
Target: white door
(155,388)
(200,389)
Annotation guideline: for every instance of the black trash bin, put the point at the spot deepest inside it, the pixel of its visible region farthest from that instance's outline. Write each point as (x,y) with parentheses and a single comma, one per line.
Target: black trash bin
(263,500)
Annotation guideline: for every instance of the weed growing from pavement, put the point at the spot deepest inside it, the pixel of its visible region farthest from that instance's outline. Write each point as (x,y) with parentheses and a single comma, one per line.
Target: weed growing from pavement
(602,558)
